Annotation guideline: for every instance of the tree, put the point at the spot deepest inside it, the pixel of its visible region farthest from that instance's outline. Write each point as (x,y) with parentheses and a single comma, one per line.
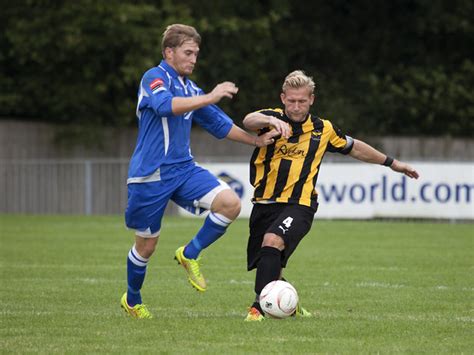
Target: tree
(398,68)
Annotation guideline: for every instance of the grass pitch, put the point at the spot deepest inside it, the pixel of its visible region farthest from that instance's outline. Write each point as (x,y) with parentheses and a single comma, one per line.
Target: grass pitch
(384,287)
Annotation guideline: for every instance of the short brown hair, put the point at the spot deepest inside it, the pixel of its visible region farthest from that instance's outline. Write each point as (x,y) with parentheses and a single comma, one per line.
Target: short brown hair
(298,79)
(175,35)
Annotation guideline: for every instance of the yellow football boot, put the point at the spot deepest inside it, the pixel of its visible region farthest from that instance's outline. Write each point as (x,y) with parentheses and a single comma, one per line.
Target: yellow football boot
(192,268)
(139,311)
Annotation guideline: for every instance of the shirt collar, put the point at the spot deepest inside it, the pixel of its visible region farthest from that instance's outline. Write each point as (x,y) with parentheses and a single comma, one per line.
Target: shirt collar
(169,68)
(294,123)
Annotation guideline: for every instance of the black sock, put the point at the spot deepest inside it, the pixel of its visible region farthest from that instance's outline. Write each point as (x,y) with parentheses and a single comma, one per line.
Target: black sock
(268,267)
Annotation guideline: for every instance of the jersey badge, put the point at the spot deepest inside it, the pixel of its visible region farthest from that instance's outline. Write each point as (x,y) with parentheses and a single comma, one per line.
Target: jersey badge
(316,135)
(157,85)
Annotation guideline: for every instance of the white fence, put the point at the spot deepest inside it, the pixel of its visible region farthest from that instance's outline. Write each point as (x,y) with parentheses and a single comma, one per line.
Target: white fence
(63,186)
(346,190)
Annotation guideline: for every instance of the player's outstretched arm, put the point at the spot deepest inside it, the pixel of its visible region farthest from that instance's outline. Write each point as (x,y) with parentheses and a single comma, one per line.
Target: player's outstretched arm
(364,152)
(180,105)
(256,120)
(239,135)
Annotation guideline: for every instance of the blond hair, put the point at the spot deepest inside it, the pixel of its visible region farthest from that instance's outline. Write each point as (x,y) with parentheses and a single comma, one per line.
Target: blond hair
(175,35)
(298,79)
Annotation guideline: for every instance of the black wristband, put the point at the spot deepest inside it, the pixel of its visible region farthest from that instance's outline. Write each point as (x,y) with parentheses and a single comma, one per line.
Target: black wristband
(388,161)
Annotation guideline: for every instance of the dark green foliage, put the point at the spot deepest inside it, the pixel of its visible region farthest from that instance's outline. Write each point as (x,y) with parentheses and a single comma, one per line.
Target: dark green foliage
(397,68)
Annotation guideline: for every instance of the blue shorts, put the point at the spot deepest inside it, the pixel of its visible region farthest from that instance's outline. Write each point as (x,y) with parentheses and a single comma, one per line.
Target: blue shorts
(193,190)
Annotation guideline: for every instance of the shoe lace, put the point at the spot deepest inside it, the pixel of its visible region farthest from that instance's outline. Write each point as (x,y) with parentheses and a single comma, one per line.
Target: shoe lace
(142,310)
(194,264)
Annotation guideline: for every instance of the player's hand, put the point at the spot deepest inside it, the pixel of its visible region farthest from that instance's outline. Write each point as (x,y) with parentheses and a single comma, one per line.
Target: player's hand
(404,168)
(225,89)
(266,138)
(280,126)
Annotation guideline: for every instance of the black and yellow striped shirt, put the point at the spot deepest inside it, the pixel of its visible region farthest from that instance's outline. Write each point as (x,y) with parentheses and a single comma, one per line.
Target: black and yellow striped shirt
(286,171)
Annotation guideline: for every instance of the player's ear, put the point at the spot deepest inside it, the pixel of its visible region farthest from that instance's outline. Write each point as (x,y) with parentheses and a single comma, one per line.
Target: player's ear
(282,98)
(311,99)
(168,52)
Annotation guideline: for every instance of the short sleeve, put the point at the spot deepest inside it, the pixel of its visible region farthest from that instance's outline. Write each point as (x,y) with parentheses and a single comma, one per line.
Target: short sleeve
(278,113)
(155,86)
(338,141)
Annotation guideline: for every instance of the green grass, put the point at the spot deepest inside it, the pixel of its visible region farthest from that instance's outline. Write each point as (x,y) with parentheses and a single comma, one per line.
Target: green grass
(385,287)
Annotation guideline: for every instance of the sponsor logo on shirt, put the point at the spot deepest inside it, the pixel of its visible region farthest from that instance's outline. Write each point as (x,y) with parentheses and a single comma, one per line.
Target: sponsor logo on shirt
(291,150)
(156,85)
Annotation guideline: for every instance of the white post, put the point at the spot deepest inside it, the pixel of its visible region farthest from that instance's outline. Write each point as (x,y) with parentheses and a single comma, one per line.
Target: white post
(88,187)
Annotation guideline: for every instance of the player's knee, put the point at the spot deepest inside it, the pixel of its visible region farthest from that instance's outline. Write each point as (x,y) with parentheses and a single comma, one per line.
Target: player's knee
(274,241)
(227,203)
(235,206)
(148,251)
(146,246)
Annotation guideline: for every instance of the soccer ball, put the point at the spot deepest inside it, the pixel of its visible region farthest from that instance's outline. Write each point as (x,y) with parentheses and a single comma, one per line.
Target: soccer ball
(278,299)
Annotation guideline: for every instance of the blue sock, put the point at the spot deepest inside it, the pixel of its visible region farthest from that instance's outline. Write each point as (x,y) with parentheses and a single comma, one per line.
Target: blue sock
(136,269)
(214,227)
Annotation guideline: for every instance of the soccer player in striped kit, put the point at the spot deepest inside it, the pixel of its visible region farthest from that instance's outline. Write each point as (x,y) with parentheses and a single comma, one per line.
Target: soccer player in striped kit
(284,175)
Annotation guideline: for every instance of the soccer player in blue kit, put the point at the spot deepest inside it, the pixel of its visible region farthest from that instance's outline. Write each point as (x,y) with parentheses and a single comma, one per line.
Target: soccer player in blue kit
(162,167)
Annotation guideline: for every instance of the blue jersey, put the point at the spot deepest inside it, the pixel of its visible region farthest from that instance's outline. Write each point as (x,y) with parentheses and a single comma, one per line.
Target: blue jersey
(163,144)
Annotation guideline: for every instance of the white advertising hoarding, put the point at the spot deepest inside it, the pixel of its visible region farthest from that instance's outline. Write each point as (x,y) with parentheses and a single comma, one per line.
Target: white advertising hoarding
(358,190)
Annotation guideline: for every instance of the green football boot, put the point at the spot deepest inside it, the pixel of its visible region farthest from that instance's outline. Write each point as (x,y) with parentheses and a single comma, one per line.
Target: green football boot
(195,278)
(139,311)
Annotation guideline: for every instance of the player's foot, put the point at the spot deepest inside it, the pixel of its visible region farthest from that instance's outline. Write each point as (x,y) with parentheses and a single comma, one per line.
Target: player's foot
(301,312)
(192,268)
(138,311)
(254,315)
